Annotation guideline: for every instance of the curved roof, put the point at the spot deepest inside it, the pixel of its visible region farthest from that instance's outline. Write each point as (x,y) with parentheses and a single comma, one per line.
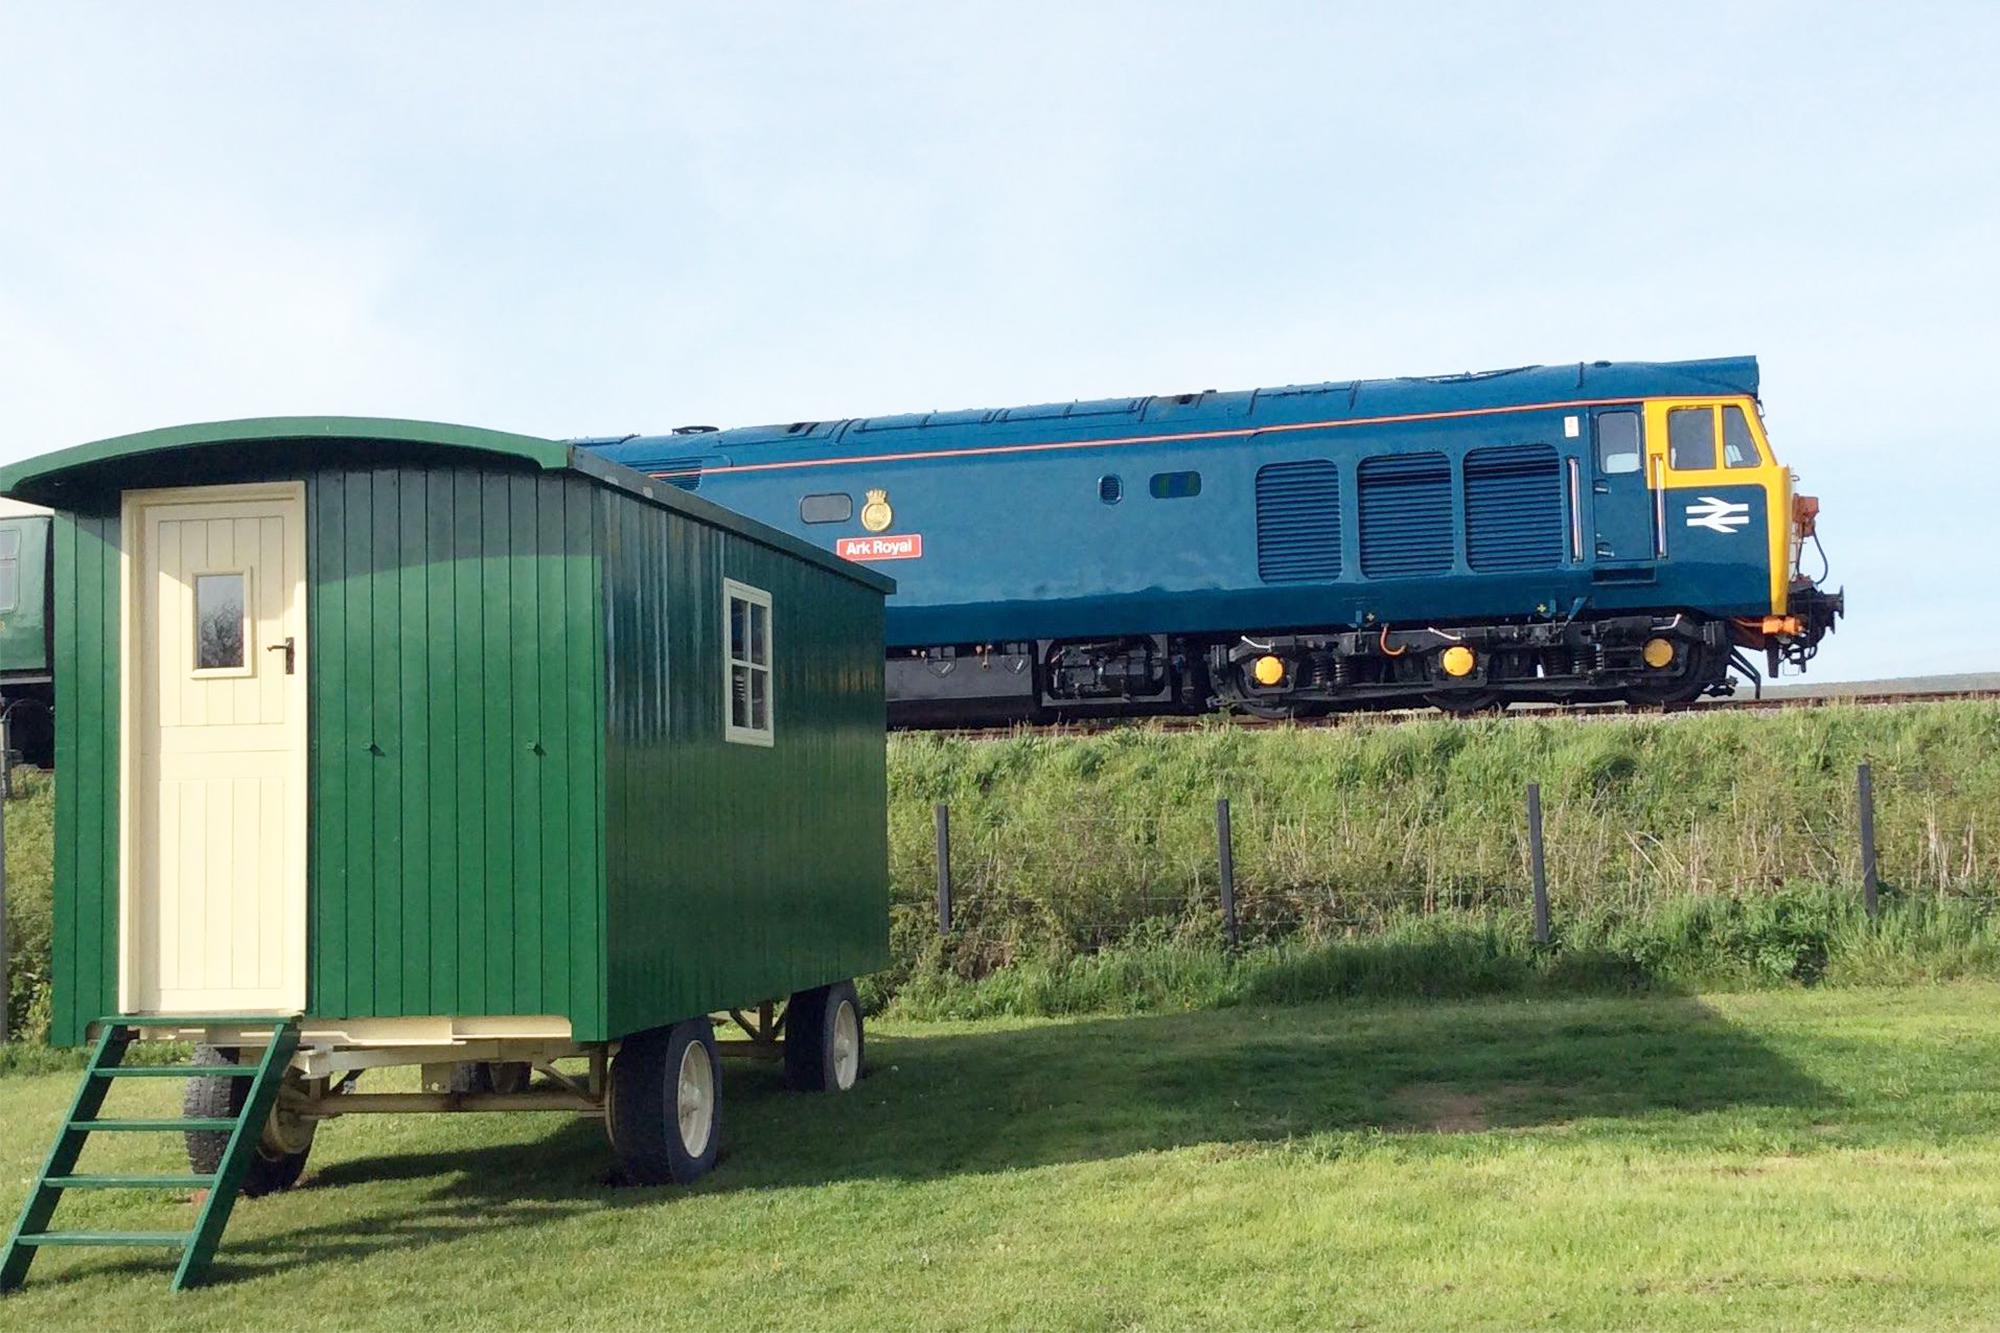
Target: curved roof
(32,475)
(67,476)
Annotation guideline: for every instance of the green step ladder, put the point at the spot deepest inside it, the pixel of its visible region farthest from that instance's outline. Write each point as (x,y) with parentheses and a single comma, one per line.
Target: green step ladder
(197,1246)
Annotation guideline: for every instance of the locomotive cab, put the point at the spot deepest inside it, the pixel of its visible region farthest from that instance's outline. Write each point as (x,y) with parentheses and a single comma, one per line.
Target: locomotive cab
(1715,485)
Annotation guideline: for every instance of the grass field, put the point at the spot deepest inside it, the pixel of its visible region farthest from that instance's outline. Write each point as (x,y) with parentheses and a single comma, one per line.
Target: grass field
(1787,1158)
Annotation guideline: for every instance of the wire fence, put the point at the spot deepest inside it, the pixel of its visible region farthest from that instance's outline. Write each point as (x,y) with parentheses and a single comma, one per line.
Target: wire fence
(1242,868)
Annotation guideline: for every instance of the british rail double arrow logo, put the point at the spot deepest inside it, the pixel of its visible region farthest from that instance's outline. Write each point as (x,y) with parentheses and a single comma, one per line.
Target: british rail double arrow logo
(1718,515)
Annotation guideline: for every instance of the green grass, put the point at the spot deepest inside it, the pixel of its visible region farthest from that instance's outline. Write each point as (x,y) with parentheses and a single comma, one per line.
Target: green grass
(1792,1158)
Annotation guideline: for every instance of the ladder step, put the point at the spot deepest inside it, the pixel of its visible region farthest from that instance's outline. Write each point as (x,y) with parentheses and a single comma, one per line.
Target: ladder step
(173,1126)
(170,1239)
(130,1182)
(175,1071)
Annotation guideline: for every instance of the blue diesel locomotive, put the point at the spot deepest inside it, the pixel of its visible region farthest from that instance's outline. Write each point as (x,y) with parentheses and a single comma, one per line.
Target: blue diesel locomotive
(1599,531)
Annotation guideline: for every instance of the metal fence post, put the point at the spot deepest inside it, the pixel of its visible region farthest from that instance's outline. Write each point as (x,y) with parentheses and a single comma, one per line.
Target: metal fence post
(944,867)
(1537,866)
(1226,859)
(1864,783)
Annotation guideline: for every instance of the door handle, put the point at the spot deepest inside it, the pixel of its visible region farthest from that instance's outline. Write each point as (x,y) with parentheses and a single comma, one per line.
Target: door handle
(287,648)
(1601,487)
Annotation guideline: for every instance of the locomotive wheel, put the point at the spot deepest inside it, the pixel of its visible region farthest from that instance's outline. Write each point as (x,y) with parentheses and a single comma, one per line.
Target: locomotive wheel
(1470,703)
(1682,689)
(1667,694)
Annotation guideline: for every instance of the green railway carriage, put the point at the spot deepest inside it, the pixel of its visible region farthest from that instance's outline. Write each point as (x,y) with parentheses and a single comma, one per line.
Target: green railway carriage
(27,679)
(385,742)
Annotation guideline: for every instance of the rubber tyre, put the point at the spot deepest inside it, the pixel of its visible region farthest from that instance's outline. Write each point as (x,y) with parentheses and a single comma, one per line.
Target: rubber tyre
(271,1171)
(492,1076)
(825,1040)
(649,1076)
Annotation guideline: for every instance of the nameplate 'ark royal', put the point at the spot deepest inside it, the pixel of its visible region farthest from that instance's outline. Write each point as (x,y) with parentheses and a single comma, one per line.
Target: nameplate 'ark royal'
(909,546)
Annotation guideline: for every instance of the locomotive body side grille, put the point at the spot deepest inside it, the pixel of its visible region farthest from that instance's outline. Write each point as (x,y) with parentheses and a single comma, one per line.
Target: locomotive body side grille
(1406,518)
(1513,508)
(1298,521)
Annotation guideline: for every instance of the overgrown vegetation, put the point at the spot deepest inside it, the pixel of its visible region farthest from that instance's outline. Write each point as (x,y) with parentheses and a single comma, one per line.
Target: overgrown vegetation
(1389,857)
(30,924)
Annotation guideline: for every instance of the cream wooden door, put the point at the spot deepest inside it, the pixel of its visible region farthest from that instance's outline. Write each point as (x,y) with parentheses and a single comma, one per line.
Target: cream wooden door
(214,713)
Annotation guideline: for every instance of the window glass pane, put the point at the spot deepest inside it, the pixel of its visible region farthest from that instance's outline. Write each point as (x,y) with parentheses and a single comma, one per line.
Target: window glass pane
(218,621)
(760,700)
(1175,485)
(1737,445)
(1691,438)
(1617,443)
(832,508)
(739,628)
(1110,489)
(739,696)
(760,634)
(10,568)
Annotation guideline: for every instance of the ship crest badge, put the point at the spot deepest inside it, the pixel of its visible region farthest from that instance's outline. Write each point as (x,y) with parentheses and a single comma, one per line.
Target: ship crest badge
(876,516)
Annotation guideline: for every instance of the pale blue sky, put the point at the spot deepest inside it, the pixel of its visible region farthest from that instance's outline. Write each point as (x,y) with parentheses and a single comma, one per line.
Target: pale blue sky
(573,219)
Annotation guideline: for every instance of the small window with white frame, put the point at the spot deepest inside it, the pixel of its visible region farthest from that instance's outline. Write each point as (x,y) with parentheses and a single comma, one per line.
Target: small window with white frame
(746,668)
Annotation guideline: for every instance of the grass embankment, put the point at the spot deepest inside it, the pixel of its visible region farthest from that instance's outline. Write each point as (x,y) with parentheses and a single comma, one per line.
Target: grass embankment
(1715,849)
(1781,1159)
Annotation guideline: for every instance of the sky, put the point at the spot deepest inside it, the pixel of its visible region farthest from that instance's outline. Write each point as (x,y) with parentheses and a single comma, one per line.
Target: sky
(604,218)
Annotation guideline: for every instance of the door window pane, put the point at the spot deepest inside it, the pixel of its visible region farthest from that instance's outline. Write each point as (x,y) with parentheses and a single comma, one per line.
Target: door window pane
(1617,443)
(218,622)
(1737,445)
(1691,439)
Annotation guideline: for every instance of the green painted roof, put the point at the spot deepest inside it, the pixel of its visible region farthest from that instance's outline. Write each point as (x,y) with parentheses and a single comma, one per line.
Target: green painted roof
(41,479)
(31,473)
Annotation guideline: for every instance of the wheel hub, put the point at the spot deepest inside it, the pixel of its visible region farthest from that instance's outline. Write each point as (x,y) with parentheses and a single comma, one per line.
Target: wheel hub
(846,1046)
(694,1098)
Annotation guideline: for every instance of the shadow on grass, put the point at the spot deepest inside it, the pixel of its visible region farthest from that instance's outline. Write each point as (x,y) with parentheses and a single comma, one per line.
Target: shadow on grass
(938,1106)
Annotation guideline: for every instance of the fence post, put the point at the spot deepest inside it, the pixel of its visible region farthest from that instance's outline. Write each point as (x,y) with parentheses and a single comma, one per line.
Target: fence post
(944,867)
(1864,783)
(1536,865)
(1226,858)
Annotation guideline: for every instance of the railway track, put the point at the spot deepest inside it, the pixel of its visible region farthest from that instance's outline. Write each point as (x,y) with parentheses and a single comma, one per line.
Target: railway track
(1868,698)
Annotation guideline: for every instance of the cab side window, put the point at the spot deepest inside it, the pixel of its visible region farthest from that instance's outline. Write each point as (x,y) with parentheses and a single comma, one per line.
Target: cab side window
(1617,443)
(1739,448)
(1691,439)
